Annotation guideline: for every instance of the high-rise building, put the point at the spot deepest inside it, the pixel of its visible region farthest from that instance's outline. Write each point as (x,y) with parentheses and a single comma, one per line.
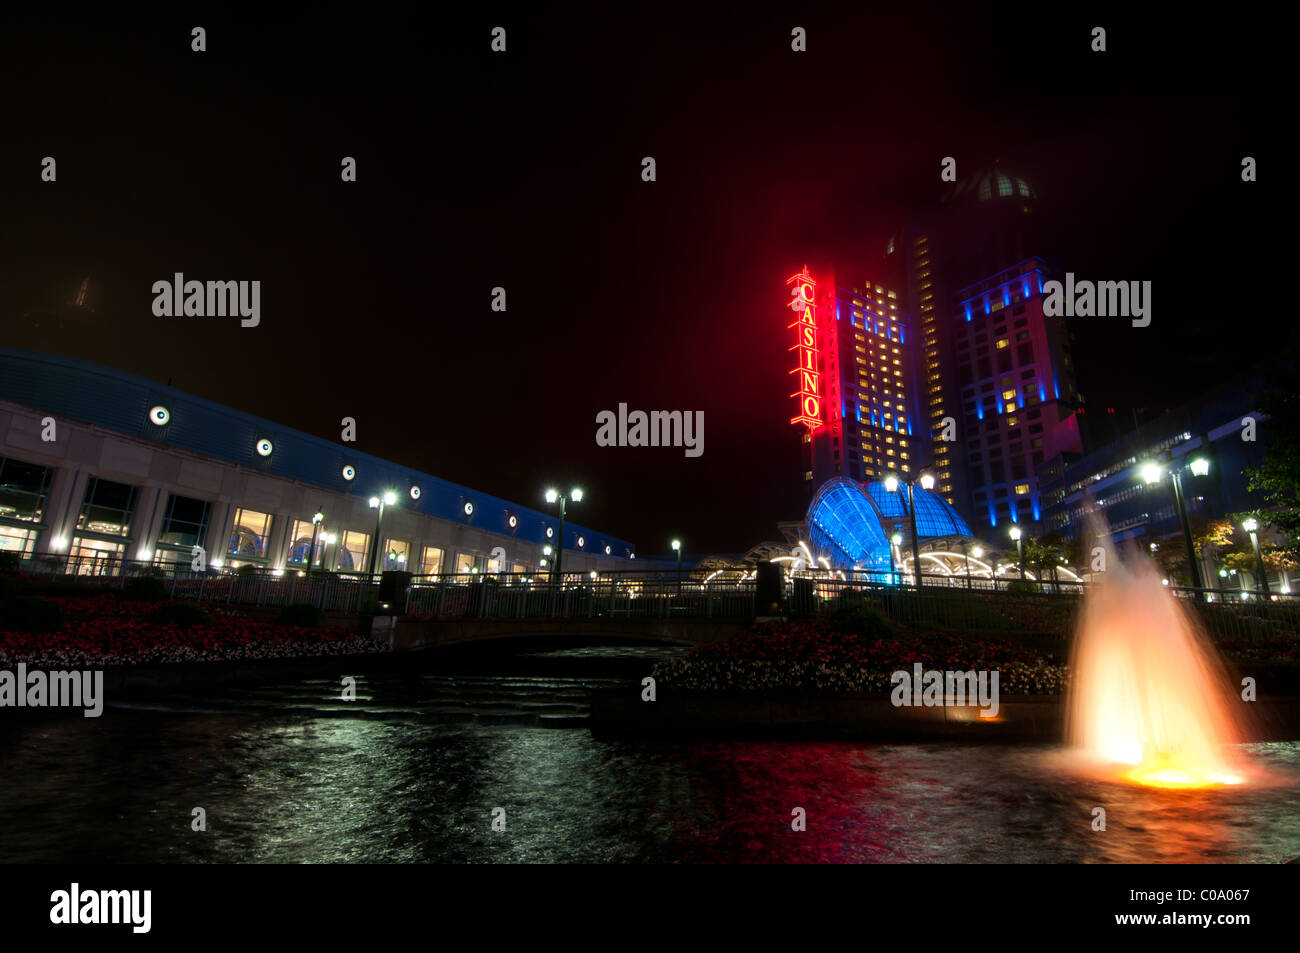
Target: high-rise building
(855,377)
(1014,382)
(981,225)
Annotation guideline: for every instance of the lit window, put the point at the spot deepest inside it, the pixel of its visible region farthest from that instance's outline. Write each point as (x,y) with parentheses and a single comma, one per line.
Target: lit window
(249,536)
(1003,342)
(1022,488)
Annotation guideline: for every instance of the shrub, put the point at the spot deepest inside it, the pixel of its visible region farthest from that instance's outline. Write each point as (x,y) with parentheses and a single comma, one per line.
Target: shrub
(30,614)
(185,614)
(145,589)
(854,614)
(9,561)
(1022,587)
(302,614)
(246,571)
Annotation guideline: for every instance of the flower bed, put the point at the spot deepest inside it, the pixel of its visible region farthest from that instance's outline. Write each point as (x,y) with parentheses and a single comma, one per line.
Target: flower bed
(109,630)
(814,657)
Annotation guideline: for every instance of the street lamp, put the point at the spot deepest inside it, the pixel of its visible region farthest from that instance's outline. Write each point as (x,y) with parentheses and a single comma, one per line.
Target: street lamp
(378,503)
(896,540)
(552,496)
(677,548)
(1251,526)
(316,520)
(977,552)
(1016,534)
(1153,473)
(927,483)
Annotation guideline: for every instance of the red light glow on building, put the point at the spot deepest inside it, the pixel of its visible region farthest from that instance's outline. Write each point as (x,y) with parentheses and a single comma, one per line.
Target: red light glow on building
(803,293)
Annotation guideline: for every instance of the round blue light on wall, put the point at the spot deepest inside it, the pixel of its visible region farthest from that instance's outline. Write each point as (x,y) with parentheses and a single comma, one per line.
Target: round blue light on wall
(160,415)
(264,447)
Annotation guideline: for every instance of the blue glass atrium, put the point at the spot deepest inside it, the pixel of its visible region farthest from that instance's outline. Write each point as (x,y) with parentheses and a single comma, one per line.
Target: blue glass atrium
(849,524)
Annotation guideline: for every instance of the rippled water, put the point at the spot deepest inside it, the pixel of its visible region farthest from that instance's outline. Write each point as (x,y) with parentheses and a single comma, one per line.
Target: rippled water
(413,769)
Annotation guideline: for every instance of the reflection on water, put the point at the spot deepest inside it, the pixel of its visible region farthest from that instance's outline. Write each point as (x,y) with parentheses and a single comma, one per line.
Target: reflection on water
(413,769)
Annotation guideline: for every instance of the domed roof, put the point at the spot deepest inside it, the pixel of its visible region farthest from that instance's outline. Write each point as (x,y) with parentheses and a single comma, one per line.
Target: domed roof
(988,184)
(854,521)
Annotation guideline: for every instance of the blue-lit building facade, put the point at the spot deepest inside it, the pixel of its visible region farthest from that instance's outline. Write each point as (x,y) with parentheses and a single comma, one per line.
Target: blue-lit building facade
(867,366)
(979,225)
(1108,481)
(98,467)
(1016,395)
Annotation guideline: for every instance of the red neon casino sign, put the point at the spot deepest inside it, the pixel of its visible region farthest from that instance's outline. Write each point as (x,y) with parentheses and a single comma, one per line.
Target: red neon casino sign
(803,294)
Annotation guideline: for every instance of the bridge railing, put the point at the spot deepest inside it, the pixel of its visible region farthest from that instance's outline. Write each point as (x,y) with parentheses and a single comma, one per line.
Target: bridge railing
(615,595)
(1046,606)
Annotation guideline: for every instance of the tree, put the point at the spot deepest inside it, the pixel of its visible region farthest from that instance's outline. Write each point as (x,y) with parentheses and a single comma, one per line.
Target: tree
(1043,555)
(1277,478)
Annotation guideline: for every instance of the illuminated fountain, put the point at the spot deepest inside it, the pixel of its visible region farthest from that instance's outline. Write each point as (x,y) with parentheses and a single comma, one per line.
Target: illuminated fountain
(1149,699)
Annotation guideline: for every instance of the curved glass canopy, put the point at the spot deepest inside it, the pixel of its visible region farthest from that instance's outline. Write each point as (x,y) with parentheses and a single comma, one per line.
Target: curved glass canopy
(850,523)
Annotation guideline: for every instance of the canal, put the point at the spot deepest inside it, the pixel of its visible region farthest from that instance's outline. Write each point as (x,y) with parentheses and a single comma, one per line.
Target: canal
(434,747)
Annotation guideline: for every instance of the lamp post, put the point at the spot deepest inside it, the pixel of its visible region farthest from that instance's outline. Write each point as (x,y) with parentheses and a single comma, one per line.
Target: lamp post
(894,540)
(978,552)
(316,520)
(927,483)
(378,503)
(1251,526)
(327,540)
(552,496)
(1153,473)
(1016,534)
(677,548)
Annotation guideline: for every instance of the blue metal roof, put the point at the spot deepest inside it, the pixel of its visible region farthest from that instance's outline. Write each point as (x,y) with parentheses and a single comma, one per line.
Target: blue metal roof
(119,401)
(841,518)
(850,519)
(934,517)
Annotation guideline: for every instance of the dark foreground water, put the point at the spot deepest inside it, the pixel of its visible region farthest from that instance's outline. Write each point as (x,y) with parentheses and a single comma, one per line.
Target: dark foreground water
(413,770)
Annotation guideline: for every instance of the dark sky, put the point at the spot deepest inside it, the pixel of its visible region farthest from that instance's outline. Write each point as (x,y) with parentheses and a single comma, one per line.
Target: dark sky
(523,170)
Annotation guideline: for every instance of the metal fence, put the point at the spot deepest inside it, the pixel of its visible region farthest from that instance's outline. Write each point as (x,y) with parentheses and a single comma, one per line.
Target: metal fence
(617,595)
(975,605)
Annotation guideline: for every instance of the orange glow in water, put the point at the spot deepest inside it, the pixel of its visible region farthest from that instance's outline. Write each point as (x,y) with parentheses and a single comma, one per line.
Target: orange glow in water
(1149,700)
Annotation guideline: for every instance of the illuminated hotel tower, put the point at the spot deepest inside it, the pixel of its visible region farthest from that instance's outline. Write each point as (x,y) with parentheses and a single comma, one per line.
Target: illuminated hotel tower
(981,225)
(1015,387)
(853,374)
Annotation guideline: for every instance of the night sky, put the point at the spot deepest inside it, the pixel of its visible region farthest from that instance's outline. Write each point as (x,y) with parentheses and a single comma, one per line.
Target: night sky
(522,170)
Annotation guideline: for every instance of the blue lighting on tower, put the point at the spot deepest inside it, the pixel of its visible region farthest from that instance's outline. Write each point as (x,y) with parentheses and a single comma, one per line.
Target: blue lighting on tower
(1006,296)
(1042,393)
(993,514)
(1034,503)
(1020,401)
(1040,282)
(968,312)
(909,426)
(1056,389)
(979,410)
(986,305)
